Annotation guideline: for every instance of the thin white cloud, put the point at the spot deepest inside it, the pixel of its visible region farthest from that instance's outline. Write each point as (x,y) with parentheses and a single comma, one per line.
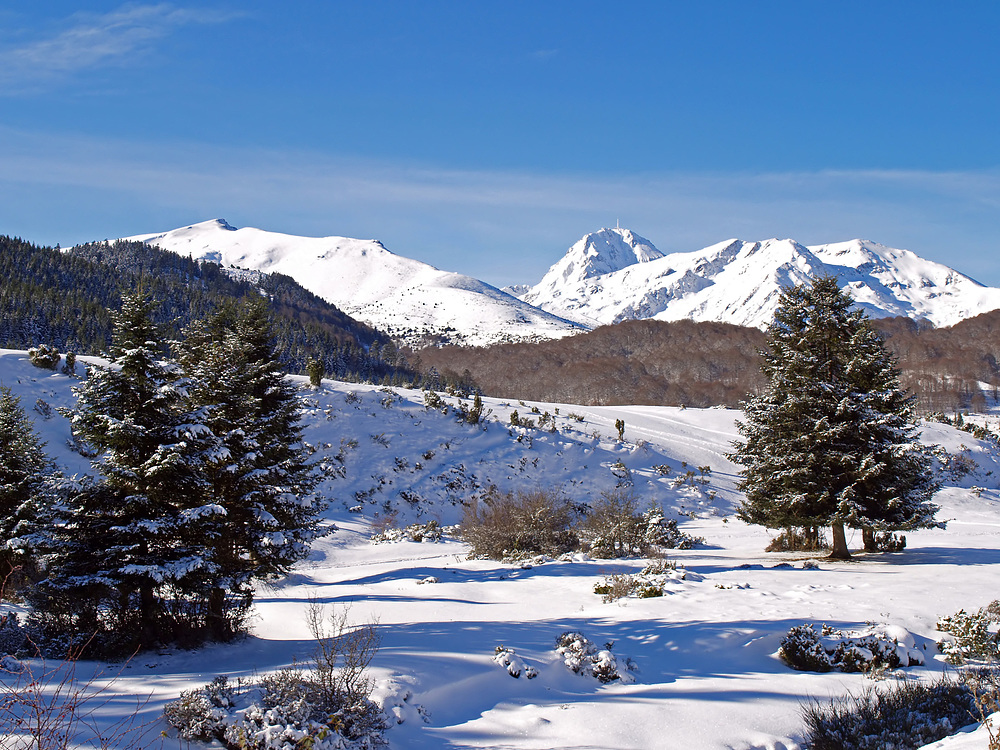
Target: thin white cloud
(91,41)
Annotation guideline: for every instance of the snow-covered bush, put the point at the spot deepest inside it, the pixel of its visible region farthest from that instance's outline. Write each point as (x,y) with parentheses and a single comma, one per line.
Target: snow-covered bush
(798,540)
(514,664)
(650,582)
(326,706)
(873,647)
(886,541)
(516,525)
(202,714)
(415,532)
(44,356)
(984,684)
(973,635)
(906,715)
(621,585)
(614,527)
(583,657)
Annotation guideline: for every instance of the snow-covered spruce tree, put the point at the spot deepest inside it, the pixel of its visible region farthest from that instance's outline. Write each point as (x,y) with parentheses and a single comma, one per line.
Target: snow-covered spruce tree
(261,477)
(119,545)
(831,441)
(23,468)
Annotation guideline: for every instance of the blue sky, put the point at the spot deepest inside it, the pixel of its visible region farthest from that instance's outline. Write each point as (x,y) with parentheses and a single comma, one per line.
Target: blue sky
(486,137)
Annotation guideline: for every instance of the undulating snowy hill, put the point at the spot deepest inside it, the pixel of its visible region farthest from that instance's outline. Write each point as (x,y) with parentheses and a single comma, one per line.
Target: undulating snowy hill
(705,671)
(411,301)
(739,282)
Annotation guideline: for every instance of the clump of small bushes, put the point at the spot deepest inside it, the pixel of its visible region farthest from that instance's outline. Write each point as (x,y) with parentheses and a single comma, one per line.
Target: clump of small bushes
(648,583)
(415,532)
(584,657)
(973,636)
(809,539)
(322,706)
(44,356)
(615,527)
(518,525)
(903,715)
(870,649)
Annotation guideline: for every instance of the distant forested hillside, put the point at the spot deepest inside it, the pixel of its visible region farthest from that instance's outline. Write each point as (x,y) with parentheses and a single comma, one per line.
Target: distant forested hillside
(63,298)
(634,362)
(708,364)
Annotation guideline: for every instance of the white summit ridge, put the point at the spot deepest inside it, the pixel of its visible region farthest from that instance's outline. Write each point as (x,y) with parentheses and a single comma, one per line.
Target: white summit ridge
(739,282)
(407,299)
(606,277)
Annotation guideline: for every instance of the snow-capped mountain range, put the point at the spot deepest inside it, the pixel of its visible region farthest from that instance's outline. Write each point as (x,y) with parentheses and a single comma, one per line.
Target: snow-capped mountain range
(739,282)
(407,299)
(606,277)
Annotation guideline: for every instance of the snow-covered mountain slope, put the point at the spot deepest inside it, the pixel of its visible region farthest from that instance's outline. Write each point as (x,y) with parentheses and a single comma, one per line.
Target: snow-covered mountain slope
(409,300)
(740,282)
(594,255)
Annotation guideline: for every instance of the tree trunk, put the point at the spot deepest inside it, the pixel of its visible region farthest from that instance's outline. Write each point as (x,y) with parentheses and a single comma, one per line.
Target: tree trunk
(217,626)
(839,551)
(868,535)
(147,616)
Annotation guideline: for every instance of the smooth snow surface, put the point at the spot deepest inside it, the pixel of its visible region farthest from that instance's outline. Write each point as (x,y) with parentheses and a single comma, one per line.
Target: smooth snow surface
(409,300)
(707,671)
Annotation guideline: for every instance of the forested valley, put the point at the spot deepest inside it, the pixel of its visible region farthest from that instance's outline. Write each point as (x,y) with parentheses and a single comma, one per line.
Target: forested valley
(684,363)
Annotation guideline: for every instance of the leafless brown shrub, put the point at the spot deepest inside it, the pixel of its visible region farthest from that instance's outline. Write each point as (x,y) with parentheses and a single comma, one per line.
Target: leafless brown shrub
(519,524)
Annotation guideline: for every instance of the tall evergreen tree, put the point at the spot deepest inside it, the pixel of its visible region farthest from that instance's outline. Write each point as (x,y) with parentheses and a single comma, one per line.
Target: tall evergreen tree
(831,441)
(23,467)
(119,545)
(261,477)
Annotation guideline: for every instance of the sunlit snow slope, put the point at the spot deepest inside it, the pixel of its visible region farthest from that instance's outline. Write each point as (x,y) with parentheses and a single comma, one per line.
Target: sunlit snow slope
(739,282)
(405,298)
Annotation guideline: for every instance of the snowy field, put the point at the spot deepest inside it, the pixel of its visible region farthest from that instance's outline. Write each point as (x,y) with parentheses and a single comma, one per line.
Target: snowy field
(707,672)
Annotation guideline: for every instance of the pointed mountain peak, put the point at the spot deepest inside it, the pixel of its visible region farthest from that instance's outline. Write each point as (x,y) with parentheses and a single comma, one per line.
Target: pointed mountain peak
(601,252)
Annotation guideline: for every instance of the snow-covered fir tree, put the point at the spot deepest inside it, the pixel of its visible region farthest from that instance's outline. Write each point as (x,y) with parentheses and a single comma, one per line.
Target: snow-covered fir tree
(121,544)
(23,467)
(261,476)
(831,442)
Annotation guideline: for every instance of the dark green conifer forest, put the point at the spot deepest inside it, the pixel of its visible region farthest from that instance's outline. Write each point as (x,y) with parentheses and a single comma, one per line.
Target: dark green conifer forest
(67,298)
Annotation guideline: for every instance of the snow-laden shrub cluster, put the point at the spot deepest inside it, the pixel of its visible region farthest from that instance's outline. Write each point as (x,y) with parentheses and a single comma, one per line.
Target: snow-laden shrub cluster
(325,707)
(650,582)
(202,713)
(583,657)
(287,710)
(809,539)
(45,356)
(871,648)
(904,716)
(415,532)
(518,525)
(514,664)
(973,636)
(614,527)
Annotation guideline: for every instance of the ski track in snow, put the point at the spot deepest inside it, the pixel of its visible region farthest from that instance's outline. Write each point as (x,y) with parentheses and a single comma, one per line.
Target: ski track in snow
(706,651)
